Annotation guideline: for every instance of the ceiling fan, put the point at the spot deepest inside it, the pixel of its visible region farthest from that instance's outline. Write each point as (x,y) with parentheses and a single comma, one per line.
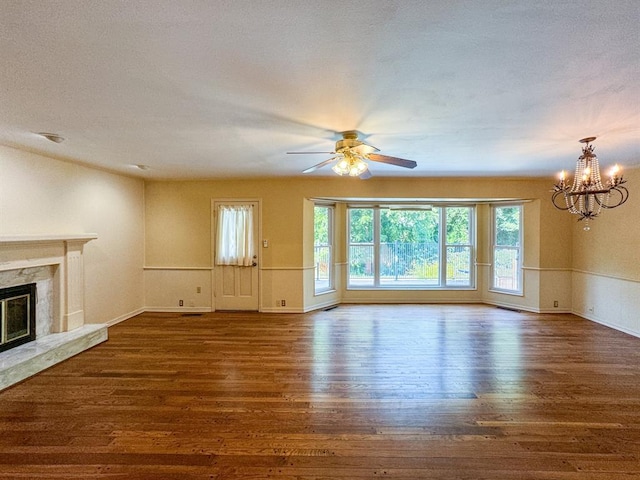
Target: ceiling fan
(351,155)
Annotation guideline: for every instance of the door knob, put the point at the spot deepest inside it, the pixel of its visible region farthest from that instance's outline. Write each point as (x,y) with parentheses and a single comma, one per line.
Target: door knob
(254,264)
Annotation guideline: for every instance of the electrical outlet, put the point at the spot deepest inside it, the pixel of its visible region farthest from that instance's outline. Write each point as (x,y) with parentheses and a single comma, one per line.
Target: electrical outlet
(181,303)
(198,289)
(555,303)
(283,303)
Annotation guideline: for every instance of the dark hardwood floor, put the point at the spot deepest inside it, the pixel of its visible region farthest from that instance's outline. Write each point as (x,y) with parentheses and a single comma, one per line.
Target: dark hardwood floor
(359,392)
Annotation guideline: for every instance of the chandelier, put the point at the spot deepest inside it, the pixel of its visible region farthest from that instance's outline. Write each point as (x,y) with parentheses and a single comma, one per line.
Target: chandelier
(587,195)
(351,164)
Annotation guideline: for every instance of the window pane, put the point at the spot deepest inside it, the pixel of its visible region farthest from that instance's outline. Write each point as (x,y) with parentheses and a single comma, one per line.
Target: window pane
(322,248)
(361,265)
(361,225)
(506,271)
(361,251)
(458,265)
(458,226)
(321,225)
(409,247)
(508,226)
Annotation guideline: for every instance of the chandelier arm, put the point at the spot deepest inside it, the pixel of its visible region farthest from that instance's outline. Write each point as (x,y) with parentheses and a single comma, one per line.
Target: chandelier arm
(623,195)
(555,195)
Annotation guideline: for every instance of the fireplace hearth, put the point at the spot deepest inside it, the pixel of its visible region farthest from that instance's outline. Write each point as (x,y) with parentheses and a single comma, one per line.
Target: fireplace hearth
(17,315)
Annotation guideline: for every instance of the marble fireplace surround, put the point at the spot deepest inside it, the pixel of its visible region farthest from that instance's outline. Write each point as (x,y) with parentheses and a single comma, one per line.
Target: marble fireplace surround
(56,264)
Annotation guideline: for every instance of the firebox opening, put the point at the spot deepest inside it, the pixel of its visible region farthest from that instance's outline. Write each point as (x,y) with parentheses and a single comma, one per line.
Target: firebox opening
(17,315)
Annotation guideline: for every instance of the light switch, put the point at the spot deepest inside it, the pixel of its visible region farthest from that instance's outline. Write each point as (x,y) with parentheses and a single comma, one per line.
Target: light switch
(265,243)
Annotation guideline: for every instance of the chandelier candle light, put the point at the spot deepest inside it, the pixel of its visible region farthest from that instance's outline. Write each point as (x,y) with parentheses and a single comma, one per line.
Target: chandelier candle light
(586,196)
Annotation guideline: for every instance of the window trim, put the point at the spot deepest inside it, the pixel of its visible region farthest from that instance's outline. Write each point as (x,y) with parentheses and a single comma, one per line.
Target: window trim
(520,251)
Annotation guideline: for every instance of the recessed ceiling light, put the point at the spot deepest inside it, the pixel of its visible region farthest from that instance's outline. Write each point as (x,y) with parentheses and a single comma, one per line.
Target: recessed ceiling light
(52,137)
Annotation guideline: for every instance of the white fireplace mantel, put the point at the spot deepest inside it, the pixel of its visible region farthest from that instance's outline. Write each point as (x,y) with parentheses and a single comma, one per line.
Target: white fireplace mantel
(62,252)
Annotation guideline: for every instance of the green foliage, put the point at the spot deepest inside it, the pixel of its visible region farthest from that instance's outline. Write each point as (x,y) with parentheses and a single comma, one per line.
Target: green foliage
(457,268)
(320,225)
(361,261)
(419,226)
(361,225)
(458,225)
(425,270)
(508,225)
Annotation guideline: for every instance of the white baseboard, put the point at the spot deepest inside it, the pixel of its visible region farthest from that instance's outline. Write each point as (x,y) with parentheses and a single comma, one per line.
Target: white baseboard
(281,310)
(554,310)
(524,308)
(124,317)
(403,301)
(177,309)
(600,321)
(512,306)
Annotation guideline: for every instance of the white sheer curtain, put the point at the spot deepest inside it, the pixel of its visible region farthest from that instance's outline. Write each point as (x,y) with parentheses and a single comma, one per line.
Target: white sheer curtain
(235,235)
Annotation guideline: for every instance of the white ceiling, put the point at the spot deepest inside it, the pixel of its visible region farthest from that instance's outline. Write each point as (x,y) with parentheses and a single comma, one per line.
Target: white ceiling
(203,89)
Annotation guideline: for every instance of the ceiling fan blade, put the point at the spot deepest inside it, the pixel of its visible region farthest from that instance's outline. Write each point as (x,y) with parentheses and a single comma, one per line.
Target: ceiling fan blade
(310,153)
(400,162)
(366,174)
(359,148)
(319,165)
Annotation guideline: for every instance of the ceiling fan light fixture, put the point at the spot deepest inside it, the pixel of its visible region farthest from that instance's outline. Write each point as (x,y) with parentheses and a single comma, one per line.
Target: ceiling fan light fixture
(353,157)
(358,168)
(350,165)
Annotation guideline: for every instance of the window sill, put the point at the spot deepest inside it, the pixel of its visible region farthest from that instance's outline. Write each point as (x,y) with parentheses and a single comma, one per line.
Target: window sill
(507,292)
(324,292)
(412,288)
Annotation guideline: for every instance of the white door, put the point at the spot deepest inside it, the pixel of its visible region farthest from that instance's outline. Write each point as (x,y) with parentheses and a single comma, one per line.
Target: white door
(236,287)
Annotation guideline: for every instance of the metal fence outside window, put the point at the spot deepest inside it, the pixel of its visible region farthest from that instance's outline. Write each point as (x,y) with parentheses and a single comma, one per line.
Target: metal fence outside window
(322,258)
(409,264)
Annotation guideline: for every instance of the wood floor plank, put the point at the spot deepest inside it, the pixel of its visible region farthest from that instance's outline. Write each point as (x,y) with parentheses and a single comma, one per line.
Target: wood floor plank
(395,391)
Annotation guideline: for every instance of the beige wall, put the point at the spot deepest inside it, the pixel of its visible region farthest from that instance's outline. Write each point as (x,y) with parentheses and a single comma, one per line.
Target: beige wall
(606,264)
(40,195)
(612,245)
(178,226)
(178,220)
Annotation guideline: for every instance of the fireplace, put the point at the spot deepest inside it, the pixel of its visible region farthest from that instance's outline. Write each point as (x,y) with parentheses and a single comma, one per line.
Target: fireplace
(17,315)
(55,264)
